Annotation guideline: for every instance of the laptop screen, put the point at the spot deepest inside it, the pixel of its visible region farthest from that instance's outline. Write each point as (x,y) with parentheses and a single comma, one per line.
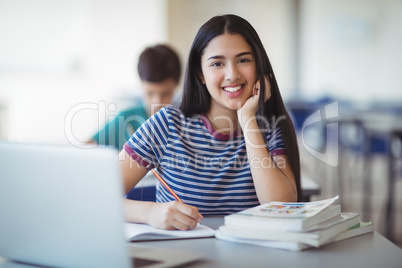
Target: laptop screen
(61,206)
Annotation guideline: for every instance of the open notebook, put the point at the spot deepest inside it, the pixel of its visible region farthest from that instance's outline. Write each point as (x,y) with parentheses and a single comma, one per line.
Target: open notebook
(142,232)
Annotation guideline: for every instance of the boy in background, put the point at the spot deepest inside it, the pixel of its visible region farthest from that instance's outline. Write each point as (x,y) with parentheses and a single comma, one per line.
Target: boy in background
(159,70)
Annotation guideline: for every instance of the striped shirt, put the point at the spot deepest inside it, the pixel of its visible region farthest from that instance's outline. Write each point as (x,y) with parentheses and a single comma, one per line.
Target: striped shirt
(204,168)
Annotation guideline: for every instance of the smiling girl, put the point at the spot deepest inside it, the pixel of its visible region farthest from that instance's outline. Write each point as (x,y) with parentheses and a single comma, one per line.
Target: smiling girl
(229,147)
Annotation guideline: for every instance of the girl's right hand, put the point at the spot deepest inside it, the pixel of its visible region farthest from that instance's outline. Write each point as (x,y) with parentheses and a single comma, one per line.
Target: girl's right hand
(174,216)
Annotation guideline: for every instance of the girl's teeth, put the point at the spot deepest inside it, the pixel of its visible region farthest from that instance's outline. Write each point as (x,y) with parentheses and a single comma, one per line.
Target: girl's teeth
(232,89)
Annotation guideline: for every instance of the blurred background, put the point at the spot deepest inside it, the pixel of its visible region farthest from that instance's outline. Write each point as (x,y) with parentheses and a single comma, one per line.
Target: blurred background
(66,66)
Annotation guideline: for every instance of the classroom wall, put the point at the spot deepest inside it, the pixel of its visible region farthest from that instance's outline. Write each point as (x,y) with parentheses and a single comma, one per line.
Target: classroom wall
(55,55)
(350,49)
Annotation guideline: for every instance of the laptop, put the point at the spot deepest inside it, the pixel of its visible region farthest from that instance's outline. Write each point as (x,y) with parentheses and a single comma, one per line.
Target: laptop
(62,206)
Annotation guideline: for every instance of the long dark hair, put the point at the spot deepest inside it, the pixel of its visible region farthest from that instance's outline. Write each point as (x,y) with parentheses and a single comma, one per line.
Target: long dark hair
(197,100)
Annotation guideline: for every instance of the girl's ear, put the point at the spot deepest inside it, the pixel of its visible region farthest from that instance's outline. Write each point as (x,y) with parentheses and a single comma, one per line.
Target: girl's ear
(201,76)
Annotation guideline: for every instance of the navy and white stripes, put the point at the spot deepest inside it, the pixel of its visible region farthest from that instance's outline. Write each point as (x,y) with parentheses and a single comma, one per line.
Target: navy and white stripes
(204,168)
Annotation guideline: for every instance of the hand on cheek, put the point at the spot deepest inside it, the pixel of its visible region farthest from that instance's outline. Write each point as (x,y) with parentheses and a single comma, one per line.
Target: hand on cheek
(249,108)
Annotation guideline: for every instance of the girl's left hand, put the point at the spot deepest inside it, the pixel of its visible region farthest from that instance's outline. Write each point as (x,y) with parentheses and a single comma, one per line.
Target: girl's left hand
(249,108)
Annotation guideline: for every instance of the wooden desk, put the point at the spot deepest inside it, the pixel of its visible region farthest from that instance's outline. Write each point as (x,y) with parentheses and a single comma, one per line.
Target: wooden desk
(309,188)
(370,250)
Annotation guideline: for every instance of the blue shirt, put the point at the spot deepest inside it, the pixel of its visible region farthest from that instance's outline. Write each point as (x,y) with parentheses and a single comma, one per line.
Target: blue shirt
(119,130)
(204,168)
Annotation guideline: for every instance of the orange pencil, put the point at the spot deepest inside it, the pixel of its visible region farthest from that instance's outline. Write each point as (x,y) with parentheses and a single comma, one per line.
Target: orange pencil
(166,185)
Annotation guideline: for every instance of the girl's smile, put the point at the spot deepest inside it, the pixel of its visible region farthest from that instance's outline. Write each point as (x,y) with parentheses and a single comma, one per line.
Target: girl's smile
(233,91)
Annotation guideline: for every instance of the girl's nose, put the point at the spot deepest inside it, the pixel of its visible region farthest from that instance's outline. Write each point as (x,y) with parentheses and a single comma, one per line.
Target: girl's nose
(231,72)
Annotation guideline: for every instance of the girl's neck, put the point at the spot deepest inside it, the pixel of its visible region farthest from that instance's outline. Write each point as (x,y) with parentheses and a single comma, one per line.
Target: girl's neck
(224,123)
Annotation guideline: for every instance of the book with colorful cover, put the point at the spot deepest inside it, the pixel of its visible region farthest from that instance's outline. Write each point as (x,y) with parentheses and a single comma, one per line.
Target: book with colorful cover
(297,216)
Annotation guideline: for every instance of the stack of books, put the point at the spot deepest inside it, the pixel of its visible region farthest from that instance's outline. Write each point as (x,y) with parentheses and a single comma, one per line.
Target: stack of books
(293,226)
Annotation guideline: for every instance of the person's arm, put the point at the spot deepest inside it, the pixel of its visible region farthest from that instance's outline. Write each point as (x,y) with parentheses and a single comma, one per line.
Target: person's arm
(171,215)
(272,182)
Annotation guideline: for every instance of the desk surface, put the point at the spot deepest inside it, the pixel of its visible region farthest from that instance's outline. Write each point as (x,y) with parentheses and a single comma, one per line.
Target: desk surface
(371,121)
(309,187)
(370,250)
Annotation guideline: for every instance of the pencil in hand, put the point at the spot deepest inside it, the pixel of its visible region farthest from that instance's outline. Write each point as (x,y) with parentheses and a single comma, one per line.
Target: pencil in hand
(158,176)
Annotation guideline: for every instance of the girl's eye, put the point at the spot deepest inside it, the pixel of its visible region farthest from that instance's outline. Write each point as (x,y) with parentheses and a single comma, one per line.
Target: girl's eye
(216,64)
(244,60)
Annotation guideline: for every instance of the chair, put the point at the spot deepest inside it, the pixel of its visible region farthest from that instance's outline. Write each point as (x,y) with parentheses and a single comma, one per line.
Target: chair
(140,193)
(145,190)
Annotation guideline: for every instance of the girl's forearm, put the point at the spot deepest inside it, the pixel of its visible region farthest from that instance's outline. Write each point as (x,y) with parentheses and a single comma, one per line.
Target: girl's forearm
(137,211)
(272,182)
